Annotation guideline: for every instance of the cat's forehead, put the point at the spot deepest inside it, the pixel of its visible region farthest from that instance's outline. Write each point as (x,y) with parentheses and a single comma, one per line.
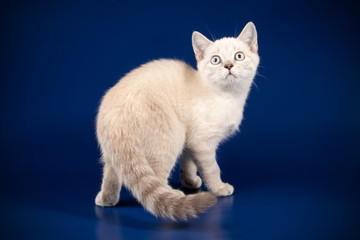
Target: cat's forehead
(227,44)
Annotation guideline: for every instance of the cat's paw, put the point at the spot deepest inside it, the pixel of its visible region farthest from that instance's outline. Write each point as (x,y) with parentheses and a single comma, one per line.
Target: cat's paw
(224,189)
(106,200)
(192,183)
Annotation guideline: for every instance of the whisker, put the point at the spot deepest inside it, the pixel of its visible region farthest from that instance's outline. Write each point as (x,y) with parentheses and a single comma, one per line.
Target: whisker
(258,74)
(212,36)
(256,86)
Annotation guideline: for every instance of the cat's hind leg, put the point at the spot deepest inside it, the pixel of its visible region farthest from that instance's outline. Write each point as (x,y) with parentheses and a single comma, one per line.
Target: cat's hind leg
(110,188)
(188,169)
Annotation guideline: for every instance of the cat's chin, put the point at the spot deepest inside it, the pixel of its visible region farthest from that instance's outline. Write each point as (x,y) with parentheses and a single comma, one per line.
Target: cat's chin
(228,82)
(230,77)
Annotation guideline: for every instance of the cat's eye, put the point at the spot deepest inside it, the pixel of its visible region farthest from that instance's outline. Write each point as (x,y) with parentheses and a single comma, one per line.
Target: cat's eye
(239,56)
(215,60)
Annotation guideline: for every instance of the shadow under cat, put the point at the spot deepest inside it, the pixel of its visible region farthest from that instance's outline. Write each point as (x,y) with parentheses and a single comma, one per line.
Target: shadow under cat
(113,222)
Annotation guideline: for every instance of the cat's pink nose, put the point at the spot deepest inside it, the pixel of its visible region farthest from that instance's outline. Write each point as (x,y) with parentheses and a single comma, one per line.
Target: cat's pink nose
(228,66)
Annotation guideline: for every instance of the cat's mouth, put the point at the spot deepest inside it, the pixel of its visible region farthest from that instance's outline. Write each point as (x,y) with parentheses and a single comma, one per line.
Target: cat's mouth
(230,76)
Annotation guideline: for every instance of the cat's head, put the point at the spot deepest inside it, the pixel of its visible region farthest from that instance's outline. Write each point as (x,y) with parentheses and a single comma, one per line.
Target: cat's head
(228,63)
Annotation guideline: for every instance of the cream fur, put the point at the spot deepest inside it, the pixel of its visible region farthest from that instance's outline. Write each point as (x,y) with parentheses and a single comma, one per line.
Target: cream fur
(164,109)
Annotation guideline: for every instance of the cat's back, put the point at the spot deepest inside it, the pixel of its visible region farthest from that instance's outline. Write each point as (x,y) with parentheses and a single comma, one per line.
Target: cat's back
(158,71)
(162,83)
(156,77)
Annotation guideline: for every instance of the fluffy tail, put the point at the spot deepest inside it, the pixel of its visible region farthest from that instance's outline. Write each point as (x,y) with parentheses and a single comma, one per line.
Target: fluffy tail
(159,198)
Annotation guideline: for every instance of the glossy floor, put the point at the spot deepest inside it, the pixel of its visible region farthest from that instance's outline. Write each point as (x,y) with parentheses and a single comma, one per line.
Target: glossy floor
(256,212)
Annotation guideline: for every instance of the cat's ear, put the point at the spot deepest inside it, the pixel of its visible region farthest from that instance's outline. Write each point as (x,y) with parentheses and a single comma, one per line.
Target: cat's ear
(249,36)
(199,43)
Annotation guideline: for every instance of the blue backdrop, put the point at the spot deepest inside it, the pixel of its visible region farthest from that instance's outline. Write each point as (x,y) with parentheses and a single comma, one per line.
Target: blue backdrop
(295,164)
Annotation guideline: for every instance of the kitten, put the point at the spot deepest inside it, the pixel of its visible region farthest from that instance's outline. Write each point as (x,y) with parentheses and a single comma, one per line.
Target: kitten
(164,109)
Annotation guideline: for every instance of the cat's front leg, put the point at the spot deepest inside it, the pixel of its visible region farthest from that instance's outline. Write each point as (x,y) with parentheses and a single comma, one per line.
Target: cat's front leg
(188,170)
(205,160)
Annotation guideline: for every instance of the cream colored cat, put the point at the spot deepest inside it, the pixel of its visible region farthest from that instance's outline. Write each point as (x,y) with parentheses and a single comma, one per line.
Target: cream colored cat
(164,109)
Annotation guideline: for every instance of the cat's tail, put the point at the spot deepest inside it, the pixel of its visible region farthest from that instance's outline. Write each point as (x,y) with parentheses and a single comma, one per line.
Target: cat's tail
(158,197)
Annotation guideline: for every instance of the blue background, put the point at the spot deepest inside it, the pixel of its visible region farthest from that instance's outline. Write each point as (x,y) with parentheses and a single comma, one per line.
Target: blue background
(295,164)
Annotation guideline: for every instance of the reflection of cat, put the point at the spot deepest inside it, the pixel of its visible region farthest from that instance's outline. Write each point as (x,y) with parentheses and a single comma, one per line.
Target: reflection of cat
(166,108)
